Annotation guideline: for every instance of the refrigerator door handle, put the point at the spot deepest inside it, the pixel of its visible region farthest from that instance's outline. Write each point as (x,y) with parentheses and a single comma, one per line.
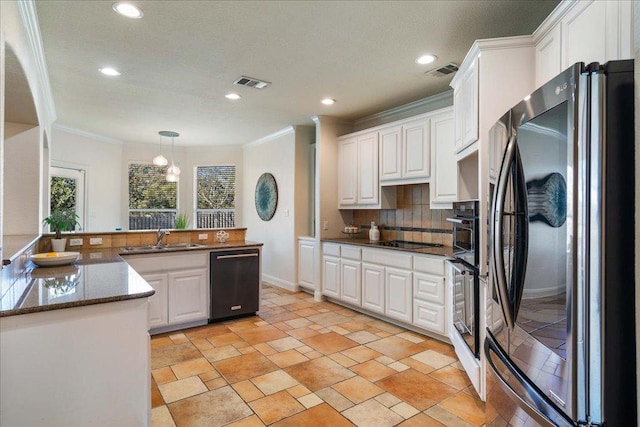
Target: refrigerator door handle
(540,410)
(521,237)
(498,238)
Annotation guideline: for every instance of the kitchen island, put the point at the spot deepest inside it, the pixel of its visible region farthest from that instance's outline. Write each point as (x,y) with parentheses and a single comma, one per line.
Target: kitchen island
(74,345)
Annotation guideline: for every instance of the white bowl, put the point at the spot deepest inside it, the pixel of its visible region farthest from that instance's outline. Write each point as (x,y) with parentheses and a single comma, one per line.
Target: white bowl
(50,259)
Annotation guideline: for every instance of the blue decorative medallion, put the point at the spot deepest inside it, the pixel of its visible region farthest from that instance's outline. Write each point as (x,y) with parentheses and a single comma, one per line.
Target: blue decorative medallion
(266,196)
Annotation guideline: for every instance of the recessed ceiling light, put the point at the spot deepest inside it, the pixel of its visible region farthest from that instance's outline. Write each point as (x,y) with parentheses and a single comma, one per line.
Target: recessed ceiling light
(109,71)
(232,96)
(128,9)
(426,59)
(328,101)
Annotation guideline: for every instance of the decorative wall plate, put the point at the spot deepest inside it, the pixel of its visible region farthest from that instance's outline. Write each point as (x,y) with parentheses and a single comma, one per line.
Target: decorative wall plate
(266,196)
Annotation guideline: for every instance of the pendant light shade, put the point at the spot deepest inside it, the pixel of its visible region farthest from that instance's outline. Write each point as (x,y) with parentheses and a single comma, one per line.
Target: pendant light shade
(160,160)
(173,171)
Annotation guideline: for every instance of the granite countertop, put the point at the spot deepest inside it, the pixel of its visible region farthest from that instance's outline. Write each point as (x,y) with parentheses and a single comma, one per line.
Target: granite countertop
(445,251)
(99,276)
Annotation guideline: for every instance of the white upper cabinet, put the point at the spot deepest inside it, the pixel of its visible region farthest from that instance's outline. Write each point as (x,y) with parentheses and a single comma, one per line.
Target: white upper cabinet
(443,188)
(368,184)
(583,31)
(416,152)
(465,101)
(405,154)
(348,171)
(390,153)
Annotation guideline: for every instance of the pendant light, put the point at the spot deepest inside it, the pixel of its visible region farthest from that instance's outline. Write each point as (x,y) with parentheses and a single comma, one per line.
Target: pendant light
(160,160)
(173,171)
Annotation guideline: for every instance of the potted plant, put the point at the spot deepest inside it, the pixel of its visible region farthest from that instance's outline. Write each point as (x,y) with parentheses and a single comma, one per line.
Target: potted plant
(182,221)
(59,221)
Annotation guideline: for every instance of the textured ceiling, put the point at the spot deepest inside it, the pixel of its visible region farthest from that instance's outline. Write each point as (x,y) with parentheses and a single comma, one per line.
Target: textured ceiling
(180,59)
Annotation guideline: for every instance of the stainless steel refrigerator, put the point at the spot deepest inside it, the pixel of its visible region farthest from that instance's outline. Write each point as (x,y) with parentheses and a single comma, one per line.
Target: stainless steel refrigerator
(562,232)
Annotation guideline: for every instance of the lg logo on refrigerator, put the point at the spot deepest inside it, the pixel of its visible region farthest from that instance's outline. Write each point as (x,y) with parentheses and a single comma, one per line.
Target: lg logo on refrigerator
(561,88)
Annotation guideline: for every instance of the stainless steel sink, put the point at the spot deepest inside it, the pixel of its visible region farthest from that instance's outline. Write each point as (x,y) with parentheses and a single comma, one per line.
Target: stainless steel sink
(160,248)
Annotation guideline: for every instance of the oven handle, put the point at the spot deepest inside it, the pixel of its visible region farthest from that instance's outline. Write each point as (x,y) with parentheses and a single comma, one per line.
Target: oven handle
(498,238)
(461,270)
(459,221)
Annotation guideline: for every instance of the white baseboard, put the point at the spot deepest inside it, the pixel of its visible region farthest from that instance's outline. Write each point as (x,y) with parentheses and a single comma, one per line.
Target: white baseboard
(279,283)
(543,292)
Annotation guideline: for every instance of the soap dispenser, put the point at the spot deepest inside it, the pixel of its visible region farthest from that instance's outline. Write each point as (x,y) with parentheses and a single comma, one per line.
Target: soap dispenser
(374,233)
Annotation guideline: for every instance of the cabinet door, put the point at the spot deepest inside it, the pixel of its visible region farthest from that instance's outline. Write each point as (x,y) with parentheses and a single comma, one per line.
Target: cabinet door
(306,264)
(350,289)
(416,149)
(458,116)
(348,172)
(367,161)
(331,276)
(188,296)
(470,104)
(429,287)
(444,180)
(593,31)
(399,294)
(158,310)
(430,316)
(390,153)
(373,287)
(548,57)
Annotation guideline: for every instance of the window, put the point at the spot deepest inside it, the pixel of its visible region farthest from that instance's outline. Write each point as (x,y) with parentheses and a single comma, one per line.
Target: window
(67,191)
(153,202)
(215,196)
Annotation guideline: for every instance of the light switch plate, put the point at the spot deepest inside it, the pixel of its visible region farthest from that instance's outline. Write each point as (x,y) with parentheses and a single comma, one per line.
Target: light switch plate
(203,236)
(75,242)
(95,241)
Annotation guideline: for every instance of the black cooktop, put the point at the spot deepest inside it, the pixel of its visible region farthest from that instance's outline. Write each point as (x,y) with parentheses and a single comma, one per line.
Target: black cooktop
(404,244)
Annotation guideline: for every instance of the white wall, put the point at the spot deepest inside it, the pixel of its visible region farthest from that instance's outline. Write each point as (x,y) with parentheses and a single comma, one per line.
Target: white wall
(102,162)
(22,167)
(276,156)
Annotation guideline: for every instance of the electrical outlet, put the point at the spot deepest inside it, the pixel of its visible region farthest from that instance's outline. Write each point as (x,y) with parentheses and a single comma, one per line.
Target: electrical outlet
(203,236)
(95,241)
(326,225)
(95,255)
(75,242)
(286,212)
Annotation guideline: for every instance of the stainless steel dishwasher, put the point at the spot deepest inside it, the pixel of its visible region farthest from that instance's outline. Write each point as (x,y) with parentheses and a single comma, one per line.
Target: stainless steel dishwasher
(235,283)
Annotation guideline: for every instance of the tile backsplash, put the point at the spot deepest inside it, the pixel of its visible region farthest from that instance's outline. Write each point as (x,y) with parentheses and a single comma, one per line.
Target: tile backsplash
(412,212)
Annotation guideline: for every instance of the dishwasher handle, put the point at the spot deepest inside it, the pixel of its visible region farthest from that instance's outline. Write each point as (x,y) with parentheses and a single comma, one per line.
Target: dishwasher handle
(237,256)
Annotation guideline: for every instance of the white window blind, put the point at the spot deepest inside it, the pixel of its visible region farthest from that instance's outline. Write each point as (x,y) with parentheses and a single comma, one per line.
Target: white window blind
(215,196)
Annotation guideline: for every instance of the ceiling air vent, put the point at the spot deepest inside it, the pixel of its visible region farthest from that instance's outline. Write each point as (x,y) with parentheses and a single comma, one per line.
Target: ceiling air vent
(251,82)
(450,68)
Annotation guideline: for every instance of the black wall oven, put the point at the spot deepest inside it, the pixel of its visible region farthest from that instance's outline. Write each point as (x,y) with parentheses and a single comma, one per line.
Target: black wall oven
(466,280)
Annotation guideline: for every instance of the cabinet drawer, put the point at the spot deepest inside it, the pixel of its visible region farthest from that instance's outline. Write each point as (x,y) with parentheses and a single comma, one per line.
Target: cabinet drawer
(331,249)
(389,258)
(429,316)
(428,287)
(428,265)
(351,252)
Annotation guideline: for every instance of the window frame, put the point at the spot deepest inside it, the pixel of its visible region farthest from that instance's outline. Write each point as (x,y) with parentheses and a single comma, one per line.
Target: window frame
(195,194)
(161,210)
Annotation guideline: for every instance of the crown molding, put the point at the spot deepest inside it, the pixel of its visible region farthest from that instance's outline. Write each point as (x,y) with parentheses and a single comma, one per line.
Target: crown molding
(29,17)
(286,131)
(87,134)
(430,103)
(552,19)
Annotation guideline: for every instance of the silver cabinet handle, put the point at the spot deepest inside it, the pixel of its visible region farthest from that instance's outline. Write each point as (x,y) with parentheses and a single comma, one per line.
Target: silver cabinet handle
(237,256)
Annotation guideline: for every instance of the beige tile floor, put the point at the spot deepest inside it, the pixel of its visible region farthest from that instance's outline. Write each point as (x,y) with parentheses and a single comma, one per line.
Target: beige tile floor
(306,363)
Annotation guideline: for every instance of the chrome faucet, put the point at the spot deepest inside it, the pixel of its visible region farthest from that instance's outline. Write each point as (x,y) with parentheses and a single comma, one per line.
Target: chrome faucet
(161,233)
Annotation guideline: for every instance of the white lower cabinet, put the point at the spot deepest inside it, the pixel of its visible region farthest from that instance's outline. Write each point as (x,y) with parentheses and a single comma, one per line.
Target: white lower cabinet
(331,276)
(350,271)
(188,296)
(398,293)
(373,287)
(398,285)
(181,282)
(158,315)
